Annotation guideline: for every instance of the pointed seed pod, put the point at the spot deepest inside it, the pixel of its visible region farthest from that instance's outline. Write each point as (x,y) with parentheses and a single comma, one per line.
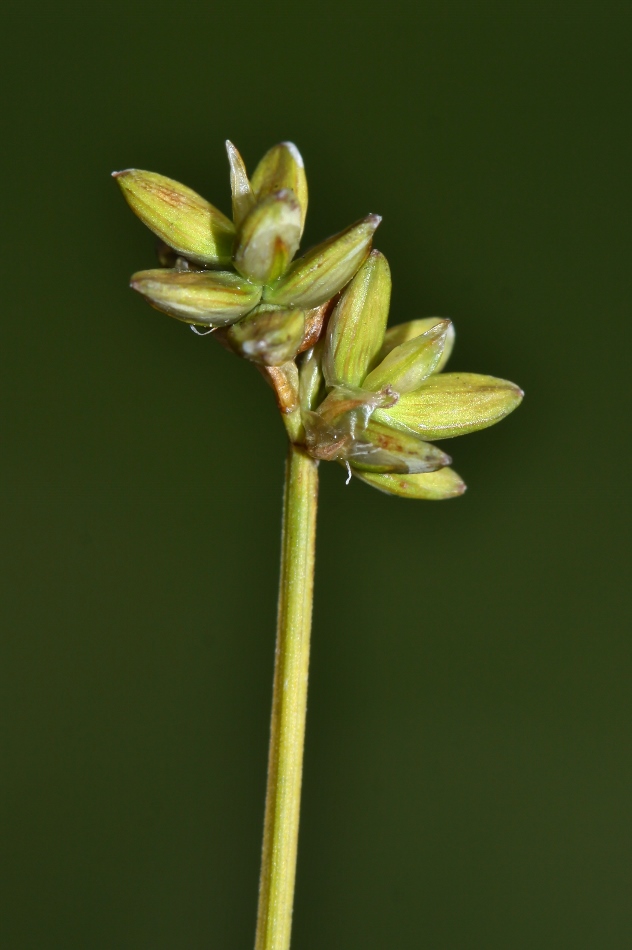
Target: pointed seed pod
(408,364)
(282,167)
(383,449)
(268,238)
(452,404)
(208,298)
(356,327)
(326,269)
(179,216)
(243,198)
(268,335)
(432,486)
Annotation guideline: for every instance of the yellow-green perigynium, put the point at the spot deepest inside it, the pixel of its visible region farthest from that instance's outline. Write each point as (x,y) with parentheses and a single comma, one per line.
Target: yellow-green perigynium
(240,275)
(375,399)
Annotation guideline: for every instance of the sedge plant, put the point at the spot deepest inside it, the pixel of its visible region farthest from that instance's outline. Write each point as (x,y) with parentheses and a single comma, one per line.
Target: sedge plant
(349,390)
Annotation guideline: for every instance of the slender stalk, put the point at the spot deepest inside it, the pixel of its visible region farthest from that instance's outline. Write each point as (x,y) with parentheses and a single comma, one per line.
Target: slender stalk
(289,703)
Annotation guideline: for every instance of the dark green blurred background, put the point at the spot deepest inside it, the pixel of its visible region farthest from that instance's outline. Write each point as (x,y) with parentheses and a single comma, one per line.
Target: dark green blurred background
(469,774)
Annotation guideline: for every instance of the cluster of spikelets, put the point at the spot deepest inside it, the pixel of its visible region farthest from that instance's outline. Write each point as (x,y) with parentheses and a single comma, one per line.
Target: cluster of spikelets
(349,389)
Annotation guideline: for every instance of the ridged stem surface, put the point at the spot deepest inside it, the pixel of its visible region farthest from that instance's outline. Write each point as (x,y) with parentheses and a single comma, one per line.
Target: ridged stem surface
(289,703)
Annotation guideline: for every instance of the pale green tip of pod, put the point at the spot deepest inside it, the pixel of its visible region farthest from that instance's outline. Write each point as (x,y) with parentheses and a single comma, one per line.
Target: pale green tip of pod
(268,237)
(407,365)
(207,298)
(268,335)
(429,486)
(403,332)
(241,191)
(178,215)
(282,167)
(324,270)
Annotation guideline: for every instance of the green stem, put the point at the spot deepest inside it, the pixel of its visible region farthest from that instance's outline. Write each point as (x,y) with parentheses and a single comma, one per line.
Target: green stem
(289,703)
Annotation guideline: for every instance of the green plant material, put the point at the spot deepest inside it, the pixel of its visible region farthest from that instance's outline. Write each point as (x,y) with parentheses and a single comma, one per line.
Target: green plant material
(311,379)
(323,271)
(207,298)
(403,332)
(241,191)
(365,409)
(343,430)
(356,328)
(268,237)
(431,486)
(268,335)
(407,365)
(379,448)
(258,246)
(453,404)
(360,394)
(282,168)
(179,216)
(349,408)
(289,703)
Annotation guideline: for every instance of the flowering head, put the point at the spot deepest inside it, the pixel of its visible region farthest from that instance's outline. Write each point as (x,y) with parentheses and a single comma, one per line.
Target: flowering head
(371,398)
(375,399)
(240,276)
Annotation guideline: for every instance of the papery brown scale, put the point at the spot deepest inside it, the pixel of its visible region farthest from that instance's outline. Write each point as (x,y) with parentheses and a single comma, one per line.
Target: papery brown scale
(284,382)
(315,322)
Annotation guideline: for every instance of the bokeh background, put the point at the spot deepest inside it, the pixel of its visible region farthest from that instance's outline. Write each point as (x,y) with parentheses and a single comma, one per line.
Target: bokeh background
(469,774)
